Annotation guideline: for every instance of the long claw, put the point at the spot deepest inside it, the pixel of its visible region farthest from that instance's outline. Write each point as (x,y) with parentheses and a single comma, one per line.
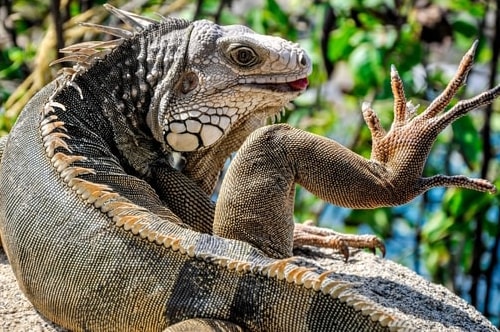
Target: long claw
(465,106)
(456,82)
(380,245)
(459,181)
(344,250)
(399,98)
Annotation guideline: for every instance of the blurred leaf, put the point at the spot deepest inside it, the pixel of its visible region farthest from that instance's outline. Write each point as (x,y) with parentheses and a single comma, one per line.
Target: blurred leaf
(467,7)
(437,227)
(11,62)
(436,258)
(279,16)
(365,63)
(340,41)
(379,220)
(466,203)
(469,143)
(466,26)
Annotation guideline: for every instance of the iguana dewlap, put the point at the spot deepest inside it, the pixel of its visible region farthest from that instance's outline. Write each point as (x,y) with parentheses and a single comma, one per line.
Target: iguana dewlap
(105,184)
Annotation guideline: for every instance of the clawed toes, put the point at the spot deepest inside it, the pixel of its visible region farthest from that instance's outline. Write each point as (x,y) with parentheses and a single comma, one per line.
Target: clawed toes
(325,238)
(365,242)
(380,245)
(343,248)
(343,242)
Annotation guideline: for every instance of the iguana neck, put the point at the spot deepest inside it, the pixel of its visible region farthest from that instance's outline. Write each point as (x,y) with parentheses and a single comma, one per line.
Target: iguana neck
(205,166)
(126,85)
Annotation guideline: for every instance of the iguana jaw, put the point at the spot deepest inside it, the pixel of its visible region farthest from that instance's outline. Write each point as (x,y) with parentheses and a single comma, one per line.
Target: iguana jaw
(298,85)
(275,93)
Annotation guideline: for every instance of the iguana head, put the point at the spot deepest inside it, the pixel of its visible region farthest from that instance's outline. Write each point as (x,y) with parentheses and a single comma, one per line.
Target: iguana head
(194,81)
(230,73)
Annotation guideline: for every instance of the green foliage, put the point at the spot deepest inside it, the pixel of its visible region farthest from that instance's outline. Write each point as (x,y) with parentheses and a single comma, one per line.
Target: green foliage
(468,141)
(12,61)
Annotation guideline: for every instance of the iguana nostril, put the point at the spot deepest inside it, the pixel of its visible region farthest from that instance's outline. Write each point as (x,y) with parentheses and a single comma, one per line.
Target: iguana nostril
(302,59)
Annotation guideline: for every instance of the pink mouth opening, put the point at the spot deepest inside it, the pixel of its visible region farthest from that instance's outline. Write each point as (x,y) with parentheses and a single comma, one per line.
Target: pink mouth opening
(300,84)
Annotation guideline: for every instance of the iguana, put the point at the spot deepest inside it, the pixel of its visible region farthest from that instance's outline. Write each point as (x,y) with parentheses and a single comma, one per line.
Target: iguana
(105,184)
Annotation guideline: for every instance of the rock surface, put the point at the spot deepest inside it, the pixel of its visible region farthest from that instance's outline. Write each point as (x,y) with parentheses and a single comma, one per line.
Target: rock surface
(16,312)
(424,304)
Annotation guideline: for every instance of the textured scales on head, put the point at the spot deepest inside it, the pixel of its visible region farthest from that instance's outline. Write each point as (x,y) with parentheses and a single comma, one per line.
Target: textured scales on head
(205,92)
(231,73)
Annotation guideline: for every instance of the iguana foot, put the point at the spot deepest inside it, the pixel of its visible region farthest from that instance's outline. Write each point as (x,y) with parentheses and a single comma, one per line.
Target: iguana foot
(256,199)
(307,234)
(204,325)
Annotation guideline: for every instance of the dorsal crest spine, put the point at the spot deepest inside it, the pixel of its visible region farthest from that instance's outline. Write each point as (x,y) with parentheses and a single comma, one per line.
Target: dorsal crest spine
(84,54)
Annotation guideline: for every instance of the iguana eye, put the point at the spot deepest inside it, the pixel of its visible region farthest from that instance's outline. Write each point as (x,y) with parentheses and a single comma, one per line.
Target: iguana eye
(244,56)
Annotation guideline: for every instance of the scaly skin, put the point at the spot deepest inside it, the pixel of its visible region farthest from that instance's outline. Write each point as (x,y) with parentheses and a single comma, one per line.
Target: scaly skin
(105,179)
(392,176)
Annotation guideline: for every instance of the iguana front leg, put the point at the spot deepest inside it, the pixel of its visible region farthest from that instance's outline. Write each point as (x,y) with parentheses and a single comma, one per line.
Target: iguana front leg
(256,199)
(204,166)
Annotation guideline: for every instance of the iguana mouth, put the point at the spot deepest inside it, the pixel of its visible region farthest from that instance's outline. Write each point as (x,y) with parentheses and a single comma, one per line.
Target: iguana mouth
(298,85)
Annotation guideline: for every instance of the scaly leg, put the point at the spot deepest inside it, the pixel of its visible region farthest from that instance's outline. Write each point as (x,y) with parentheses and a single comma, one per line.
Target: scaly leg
(308,234)
(256,199)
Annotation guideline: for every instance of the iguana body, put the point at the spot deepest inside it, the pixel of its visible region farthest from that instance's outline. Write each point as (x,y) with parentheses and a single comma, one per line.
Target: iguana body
(105,180)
